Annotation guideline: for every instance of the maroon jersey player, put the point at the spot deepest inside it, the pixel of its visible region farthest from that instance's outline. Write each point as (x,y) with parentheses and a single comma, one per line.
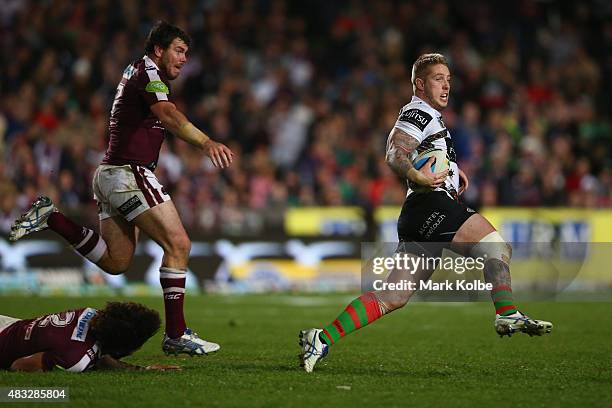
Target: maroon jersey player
(129,196)
(77,340)
(136,134)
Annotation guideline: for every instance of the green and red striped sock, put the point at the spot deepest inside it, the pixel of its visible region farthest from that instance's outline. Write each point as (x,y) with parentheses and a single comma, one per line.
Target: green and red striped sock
(503,301)
(359,313)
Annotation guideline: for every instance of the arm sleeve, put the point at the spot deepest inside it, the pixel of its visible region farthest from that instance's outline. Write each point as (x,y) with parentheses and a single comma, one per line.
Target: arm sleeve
(75,360)
(414,122)
(152,87)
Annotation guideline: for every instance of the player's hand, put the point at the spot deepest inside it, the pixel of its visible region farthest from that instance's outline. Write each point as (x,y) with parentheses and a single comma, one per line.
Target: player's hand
(163,367)
(425,177)
(220,155)
(463,182)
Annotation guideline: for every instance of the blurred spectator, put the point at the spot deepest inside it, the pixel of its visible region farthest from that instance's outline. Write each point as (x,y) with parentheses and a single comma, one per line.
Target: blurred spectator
(307,92)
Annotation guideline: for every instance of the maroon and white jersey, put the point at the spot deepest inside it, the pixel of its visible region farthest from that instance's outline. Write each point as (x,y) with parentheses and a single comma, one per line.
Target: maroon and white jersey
(63,337)
(136,135)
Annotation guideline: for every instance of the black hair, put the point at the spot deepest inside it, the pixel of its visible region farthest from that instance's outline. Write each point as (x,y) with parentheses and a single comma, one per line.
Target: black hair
(123,327)
(162,34)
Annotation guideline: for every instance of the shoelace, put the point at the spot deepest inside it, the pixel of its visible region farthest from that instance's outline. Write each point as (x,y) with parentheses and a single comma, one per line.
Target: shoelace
(30,223)
(311,350)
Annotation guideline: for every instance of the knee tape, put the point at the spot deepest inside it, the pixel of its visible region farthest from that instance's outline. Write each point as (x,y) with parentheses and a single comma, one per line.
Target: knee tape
(493,246)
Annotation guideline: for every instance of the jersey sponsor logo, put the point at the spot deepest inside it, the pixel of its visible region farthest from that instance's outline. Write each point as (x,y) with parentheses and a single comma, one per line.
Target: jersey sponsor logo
(417,117)
(431,224)
(157,86)
(91,354)
(129,206)
(82,326)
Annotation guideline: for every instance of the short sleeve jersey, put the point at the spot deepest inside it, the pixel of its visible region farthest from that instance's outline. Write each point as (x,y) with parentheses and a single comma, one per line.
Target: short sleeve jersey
(424,123)
(136,135)
(63,337)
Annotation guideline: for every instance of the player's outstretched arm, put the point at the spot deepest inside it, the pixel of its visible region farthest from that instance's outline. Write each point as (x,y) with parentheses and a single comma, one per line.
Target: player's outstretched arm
(107,362)
(399,146)
(173,120)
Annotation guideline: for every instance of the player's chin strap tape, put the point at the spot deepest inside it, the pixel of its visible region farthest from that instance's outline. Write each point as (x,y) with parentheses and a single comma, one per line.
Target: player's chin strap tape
(493,246)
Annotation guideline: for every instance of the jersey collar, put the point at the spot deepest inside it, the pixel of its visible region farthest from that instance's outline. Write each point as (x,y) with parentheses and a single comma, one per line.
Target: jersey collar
(149,62)
(419,100)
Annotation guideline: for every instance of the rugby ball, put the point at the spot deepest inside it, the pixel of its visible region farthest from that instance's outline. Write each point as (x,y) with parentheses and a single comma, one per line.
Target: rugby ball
(439,164)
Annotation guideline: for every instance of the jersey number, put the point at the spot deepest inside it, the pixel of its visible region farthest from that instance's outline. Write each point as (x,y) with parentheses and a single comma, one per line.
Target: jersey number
(62,319)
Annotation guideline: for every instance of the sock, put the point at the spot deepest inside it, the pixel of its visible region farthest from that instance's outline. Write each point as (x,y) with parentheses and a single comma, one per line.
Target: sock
(503,301)
(84,240)
(359,313)
(173,283)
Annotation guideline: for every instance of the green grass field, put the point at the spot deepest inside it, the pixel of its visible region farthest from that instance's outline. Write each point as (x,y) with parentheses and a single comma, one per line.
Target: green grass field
(428,354)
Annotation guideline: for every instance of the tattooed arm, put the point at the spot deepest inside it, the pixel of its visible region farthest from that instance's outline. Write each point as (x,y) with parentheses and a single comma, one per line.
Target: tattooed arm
(399,146)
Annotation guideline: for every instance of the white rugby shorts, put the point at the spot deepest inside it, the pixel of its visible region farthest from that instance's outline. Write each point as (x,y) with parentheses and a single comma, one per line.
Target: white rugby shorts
(127,190)
(6,321)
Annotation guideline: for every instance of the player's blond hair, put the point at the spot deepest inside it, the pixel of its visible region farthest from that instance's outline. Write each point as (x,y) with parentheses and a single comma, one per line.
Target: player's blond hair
(422,64)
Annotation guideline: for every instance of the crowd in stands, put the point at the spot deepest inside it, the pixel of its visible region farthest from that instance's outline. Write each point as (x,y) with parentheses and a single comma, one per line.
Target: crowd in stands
(306,92)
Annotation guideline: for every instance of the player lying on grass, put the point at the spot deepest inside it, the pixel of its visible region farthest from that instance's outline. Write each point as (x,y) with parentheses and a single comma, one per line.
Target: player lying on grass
(78,340)
(432,213)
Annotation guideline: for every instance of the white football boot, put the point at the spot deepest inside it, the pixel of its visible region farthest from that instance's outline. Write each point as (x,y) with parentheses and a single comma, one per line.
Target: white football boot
(519,322)
(313,349)
(189,343)
(35,219)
